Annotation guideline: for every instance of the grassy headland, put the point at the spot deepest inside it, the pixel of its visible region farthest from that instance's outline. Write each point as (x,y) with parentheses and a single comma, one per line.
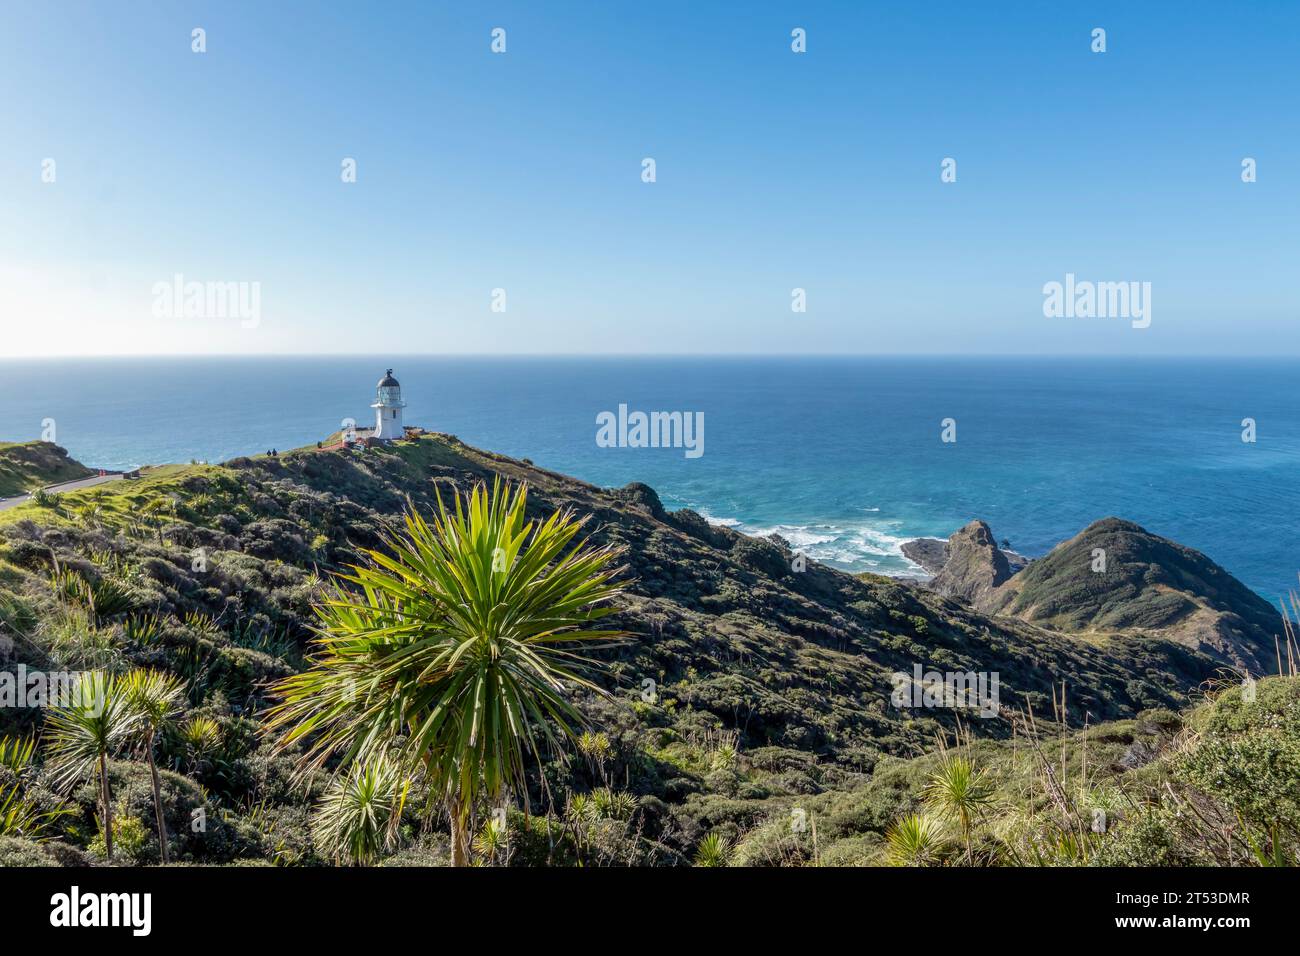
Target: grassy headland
(750,694)
(26,466)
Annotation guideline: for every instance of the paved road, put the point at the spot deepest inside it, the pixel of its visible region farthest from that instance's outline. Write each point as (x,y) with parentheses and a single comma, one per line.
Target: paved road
(65,486)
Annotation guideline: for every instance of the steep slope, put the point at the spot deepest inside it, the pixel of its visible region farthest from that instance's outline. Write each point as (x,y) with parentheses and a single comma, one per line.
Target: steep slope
(26,466)
(1127,784)
(800,659)
(1149,584)
(210,572)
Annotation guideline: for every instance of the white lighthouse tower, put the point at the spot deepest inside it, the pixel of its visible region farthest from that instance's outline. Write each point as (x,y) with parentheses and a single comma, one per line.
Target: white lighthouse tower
(388,409)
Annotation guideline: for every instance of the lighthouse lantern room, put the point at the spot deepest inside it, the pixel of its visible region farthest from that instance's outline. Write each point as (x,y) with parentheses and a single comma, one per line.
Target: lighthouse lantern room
(388,409)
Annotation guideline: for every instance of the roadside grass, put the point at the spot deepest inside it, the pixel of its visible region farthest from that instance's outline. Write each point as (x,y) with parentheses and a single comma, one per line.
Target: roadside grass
(26,466)
(120,503)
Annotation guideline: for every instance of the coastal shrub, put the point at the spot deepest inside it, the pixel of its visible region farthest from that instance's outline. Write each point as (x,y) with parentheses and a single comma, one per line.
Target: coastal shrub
(1149,838)
(20,816)
(1248,757)
(776,842)
(16,851)
(129,837)
(795,666)
(864,850)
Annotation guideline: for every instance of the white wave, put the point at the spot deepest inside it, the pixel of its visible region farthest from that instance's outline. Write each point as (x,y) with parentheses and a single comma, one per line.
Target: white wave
(869,545)
(718,522)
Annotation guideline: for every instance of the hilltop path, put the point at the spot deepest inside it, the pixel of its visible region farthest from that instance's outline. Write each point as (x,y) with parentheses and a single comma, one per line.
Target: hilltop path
(64,486)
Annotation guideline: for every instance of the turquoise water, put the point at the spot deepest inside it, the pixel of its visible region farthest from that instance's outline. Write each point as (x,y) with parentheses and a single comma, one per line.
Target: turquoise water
(841,456)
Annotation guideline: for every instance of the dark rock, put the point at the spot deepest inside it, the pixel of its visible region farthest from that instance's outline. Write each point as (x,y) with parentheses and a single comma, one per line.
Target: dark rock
(929,553)
(642,496)
(975,565)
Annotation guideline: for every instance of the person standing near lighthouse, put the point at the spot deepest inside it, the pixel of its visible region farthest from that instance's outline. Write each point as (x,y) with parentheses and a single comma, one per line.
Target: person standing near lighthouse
(388,409)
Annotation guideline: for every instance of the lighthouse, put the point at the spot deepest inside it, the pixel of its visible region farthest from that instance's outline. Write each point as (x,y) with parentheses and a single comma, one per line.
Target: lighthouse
(388,409)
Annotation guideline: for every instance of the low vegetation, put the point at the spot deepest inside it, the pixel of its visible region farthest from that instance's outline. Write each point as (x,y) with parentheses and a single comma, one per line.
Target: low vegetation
(28,466)
(267,703)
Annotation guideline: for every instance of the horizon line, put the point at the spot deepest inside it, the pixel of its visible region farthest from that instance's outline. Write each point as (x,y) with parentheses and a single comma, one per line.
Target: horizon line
(386,356)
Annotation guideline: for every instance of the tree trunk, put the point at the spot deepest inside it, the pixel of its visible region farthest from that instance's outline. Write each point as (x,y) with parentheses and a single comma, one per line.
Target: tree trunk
(108,808)
(157,801)
(459,833)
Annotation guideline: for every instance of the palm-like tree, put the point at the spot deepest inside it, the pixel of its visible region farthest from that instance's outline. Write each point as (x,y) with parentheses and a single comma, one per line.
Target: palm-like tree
(358,818)
(97,721)
(458,653)
(157,699)
(960,790)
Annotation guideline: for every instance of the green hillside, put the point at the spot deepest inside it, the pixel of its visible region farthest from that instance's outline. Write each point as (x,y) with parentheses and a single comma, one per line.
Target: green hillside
(26,466)
(747,691)
(1148,584)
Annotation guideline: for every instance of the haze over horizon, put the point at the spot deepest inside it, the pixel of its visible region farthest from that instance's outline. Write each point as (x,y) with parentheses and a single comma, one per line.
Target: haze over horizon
(397,356)
(522,171)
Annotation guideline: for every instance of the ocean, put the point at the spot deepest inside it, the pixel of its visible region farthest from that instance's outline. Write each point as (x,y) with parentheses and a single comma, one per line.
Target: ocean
(841,456)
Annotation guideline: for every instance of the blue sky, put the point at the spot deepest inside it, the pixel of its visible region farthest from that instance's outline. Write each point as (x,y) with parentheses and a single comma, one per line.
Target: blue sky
(775,170)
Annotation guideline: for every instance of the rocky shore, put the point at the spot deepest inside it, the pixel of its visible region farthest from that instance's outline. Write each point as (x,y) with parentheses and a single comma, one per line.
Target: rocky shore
(932,554)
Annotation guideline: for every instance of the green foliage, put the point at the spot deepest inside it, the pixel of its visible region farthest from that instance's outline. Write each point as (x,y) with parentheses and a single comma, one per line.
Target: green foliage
(492,842)
(68,586)
(461,639)
(714,850)
(200,739)
(97,722)
(356,821)
(595,746)
(201,623)
(17,851)
(111,597)
(959,790)
(156,699)
(104,597)
(16,753)
(142,629)
(612,804)
(46,499)
(27,466)
(916,840)
(1150,583)
(771,690)
(21,817)
(129,836)
(16,614)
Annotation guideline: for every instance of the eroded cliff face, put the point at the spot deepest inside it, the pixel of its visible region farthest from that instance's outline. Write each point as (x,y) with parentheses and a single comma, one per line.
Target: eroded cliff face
(975,566)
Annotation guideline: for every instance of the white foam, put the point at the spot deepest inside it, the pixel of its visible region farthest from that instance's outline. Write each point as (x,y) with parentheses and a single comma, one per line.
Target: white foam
(853,545)
(718,522)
